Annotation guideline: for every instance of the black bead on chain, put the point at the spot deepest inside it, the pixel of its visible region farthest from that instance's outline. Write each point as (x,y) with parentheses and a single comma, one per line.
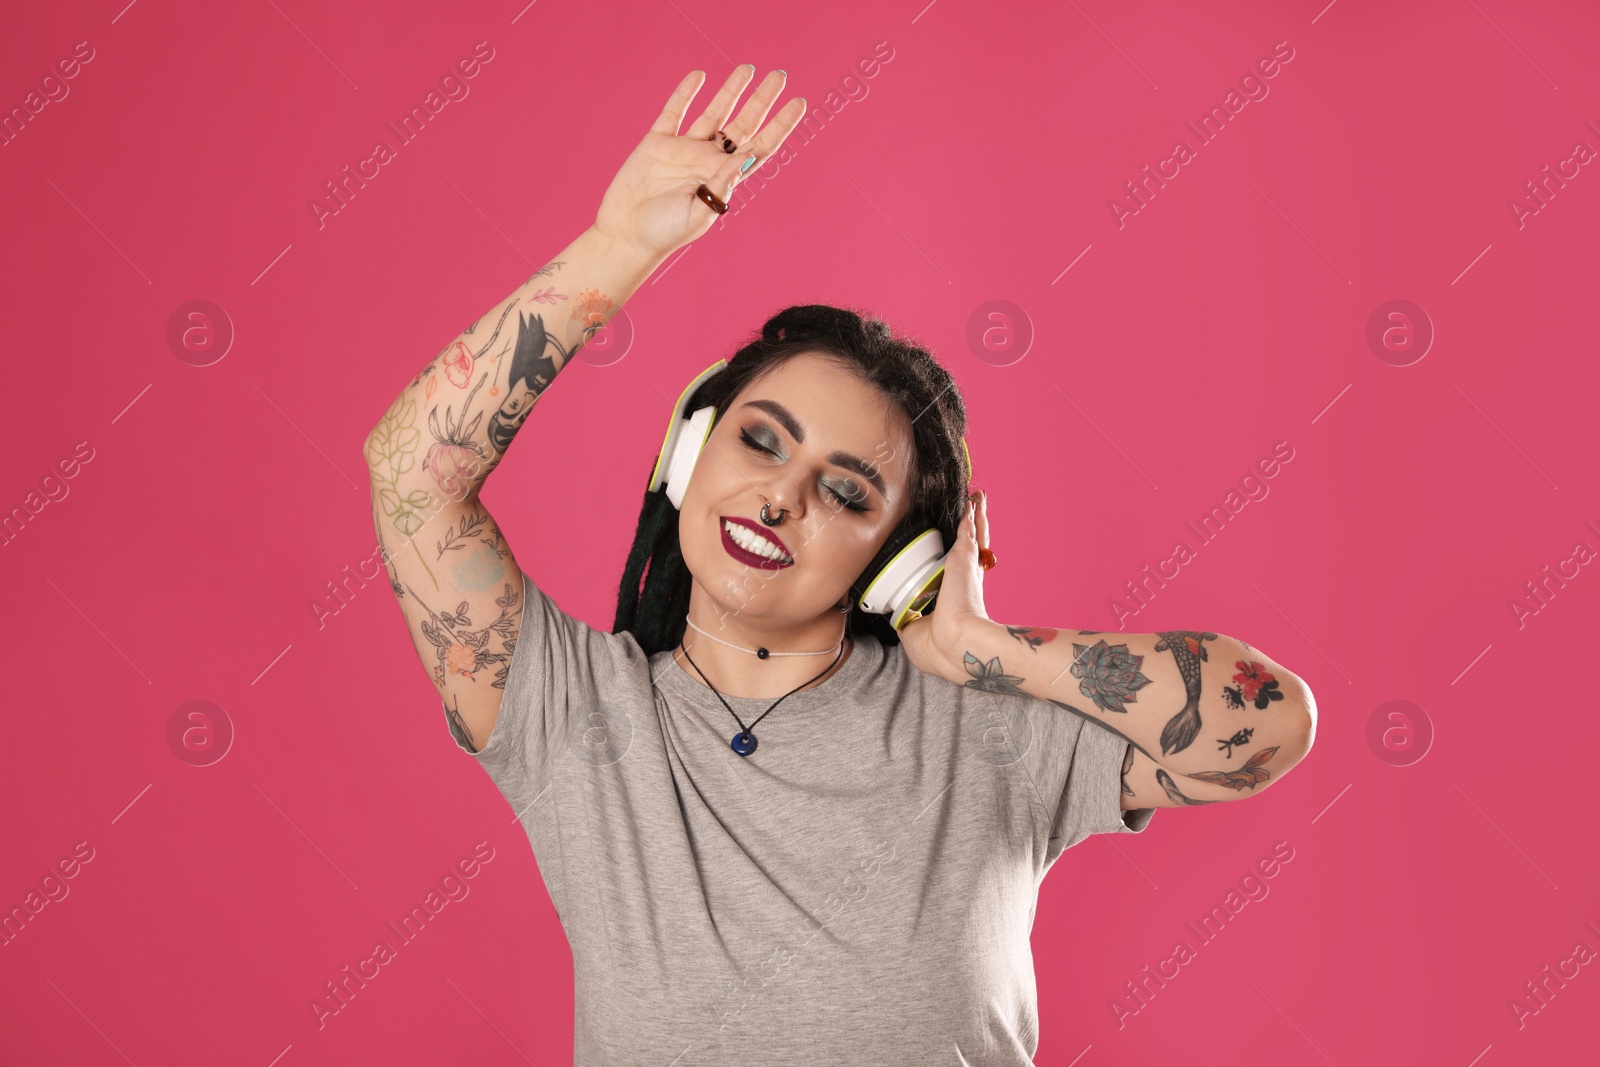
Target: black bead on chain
(744,742)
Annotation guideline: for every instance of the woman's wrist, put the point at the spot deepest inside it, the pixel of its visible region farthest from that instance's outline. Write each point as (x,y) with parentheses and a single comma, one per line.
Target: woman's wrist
(621,251)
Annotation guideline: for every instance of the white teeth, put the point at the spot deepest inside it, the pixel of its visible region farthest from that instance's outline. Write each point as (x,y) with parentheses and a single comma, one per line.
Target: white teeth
(750,541)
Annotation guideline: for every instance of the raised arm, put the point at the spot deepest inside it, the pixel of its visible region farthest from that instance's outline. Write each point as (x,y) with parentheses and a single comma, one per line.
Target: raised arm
(458,583)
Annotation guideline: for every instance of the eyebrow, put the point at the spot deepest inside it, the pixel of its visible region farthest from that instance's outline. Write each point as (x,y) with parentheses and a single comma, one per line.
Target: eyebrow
(798,432)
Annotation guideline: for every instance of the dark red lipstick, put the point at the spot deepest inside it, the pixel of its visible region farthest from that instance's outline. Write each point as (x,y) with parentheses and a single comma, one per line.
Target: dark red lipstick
(747,557)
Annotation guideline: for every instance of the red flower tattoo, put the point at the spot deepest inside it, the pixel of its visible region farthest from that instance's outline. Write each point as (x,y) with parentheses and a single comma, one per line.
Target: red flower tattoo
(1256,685)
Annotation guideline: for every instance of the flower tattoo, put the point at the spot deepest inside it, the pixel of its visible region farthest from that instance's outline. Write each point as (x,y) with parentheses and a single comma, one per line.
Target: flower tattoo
(1256,685)
(1108,674)
(989,677)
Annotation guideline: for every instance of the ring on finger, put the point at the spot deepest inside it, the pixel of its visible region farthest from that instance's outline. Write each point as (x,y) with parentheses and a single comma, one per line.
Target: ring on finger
(711,200)
(727,142)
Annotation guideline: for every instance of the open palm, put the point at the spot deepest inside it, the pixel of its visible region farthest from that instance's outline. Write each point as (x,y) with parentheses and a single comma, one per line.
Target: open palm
(651,203)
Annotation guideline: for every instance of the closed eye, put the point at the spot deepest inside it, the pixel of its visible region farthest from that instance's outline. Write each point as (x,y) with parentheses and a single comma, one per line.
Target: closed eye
(755,446)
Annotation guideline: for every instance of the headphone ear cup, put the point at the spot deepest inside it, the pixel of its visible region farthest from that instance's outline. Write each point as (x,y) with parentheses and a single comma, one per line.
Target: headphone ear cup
(909,581)
(681,446)
(685,452)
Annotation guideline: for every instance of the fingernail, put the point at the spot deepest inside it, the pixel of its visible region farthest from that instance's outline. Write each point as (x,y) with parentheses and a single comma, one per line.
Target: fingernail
(784,73)
(747,164)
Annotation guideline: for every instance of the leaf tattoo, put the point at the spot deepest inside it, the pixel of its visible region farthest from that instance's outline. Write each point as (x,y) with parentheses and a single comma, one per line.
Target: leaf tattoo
(548,269)
(463,652)
(457,539)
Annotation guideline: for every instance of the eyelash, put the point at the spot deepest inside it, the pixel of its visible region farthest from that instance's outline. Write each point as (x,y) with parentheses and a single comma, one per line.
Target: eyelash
(755,446)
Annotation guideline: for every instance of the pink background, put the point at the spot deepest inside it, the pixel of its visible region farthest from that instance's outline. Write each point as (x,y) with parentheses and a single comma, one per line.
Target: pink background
(1228,315)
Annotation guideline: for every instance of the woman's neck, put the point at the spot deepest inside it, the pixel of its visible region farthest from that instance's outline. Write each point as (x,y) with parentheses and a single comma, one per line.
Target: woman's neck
(737,673)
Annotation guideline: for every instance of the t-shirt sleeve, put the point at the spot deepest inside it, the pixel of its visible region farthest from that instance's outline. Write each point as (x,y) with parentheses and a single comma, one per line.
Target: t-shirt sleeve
(550,679)
(1076,765)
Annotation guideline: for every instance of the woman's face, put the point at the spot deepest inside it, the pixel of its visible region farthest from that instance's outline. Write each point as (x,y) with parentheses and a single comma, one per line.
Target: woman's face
(811,438)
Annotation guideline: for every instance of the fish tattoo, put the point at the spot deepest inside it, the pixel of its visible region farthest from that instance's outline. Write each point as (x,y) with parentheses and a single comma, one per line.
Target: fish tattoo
(1187,649)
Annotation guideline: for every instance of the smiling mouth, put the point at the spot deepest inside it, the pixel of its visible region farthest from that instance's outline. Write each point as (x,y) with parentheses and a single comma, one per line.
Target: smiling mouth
(749,547)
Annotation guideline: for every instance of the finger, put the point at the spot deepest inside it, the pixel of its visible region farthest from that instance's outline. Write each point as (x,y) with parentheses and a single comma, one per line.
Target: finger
(672,115)
(966,547)
(774,133)
(765,144)
(721,106)
(754,112)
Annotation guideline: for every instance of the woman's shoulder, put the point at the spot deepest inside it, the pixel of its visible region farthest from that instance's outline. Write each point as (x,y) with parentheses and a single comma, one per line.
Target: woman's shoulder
(885,667)
(605,657)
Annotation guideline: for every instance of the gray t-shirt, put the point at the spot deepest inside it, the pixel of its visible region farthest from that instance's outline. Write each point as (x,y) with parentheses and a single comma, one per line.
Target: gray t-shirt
(859,890)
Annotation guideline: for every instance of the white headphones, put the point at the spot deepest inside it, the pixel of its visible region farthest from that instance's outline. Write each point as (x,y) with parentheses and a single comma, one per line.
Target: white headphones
(904,589)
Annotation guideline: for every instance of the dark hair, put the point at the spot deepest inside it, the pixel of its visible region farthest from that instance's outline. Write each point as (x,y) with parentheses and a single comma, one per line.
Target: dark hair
(653,596)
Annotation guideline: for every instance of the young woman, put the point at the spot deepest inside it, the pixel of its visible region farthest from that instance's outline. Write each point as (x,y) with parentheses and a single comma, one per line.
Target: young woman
(776,828)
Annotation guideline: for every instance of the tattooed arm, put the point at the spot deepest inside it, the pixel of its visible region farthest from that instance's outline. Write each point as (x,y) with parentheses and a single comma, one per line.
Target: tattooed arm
(459,586)
(1207,718)
(458,583)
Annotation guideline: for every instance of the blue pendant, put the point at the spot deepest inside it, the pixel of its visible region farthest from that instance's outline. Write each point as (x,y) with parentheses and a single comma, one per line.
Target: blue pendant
(744,742)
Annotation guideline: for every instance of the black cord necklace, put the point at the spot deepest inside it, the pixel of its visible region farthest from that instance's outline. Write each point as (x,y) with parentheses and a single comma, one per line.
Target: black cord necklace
(744,742)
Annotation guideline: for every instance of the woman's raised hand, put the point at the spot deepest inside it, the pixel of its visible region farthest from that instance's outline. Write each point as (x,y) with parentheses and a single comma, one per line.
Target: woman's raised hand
(651,204)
